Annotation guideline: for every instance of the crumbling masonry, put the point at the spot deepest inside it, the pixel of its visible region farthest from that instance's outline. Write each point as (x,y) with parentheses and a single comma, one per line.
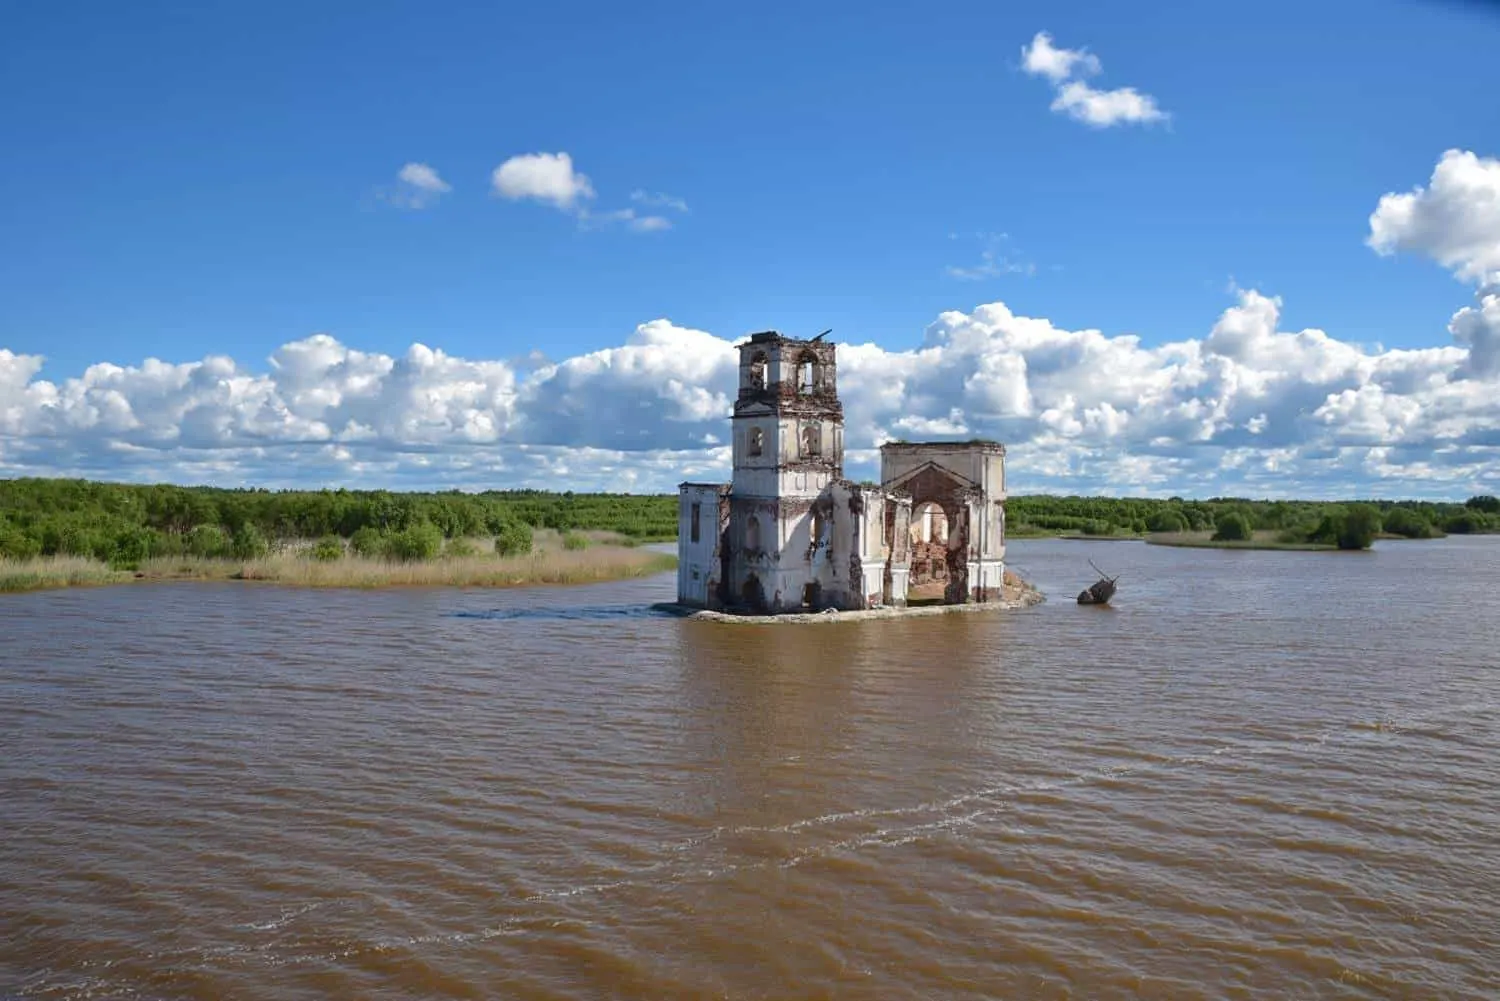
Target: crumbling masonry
(790,534)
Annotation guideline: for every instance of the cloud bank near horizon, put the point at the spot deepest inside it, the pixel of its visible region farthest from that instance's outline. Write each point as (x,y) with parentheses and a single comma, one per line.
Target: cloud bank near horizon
(1246,409)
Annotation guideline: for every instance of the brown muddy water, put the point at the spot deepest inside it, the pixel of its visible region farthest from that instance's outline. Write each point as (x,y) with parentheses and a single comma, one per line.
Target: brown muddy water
(1258,775)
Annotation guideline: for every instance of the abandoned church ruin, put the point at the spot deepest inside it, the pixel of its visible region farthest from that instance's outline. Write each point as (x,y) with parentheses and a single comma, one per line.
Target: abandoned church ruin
(791,534)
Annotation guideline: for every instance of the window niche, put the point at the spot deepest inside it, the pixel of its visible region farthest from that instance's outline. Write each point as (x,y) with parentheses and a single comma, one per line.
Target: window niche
(812,440)
(756,443)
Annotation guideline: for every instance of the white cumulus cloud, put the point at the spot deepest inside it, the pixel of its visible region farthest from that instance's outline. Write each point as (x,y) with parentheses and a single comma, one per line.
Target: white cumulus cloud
(1075,98)
(423,177)
(1103,108)
(1455,221)
(543,177)
(1248,408)
(1042,58)
(552,179)
(417,186)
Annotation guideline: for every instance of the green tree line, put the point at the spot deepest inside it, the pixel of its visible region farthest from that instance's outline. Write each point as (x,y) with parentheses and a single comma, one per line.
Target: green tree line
(125,523)
(1349,525)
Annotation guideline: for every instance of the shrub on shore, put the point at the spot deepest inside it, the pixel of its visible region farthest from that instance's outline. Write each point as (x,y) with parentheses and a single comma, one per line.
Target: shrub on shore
(367,542)
(460,549)
(17,545)
(328,548)
(206,542)
(1233,527)
(1167,520)
(249,543)
(514,539)
(1466,523)
(420,542)
(1408,524)
(1353,527)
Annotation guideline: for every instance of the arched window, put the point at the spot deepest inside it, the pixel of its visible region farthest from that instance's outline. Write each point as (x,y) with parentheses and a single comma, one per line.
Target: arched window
(757,442)
(807,374)
(758,371)
(752,534)
(929,523)
(812,440)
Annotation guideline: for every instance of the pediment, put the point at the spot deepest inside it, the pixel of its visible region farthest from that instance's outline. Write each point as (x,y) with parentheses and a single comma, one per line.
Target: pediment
(929,481)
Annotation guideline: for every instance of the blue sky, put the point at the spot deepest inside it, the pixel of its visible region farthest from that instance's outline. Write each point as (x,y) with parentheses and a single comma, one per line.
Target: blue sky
(186,180)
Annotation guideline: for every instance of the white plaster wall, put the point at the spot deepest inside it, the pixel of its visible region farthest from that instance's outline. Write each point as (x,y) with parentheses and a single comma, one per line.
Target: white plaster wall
(769,456)
(989,574)
(804,483)
(697,562)
(872,545)
(756,475)
(900,578)
(757,482)
(784,587)
(874,578)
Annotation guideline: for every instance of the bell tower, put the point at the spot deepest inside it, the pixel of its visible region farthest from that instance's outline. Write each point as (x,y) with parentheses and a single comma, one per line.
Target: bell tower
(788,423)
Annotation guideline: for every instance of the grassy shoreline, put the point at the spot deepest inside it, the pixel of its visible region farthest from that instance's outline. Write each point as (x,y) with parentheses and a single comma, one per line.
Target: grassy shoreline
(593,565)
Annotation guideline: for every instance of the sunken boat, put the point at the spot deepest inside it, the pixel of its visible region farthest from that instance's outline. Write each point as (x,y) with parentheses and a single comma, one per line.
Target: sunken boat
(1099,592)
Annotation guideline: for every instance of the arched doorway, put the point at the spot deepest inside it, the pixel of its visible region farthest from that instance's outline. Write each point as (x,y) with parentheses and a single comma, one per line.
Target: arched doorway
(939,537)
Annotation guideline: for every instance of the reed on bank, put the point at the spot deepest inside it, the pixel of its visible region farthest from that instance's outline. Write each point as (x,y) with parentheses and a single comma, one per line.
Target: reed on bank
(56,571)
(299,569)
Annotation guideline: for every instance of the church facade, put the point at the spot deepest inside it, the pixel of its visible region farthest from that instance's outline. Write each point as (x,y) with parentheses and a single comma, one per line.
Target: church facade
(789,533)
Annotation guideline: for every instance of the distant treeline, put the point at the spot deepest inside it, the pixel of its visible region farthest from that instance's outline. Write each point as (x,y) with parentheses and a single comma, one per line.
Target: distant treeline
(1293,521)
(123,523)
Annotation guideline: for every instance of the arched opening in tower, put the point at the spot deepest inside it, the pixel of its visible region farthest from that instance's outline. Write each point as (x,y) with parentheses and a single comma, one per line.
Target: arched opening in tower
(758,371)
(807,373)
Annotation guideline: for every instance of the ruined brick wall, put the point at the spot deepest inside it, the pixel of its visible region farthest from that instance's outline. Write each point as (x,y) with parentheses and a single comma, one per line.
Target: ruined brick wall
(929,562)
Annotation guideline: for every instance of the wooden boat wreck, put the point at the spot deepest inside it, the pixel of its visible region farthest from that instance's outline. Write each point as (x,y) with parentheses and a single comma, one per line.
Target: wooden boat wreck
(1100,591)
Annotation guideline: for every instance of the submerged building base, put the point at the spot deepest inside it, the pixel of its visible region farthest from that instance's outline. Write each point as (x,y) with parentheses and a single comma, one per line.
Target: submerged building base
(1022,596)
